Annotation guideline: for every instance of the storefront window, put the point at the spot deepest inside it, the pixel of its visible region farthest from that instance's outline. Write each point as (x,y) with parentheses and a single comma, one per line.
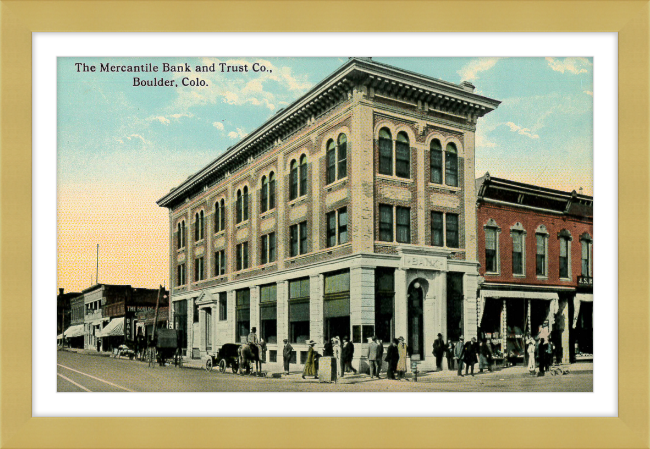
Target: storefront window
(269,313)
(384,303)
(336,304)
(299,318)
(243,314)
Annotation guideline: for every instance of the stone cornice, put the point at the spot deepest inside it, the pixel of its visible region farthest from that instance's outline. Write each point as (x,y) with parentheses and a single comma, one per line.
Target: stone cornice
(354,79)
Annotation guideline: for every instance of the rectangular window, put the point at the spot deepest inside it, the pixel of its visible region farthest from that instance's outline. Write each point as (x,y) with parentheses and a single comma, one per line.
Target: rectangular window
(245,207)
(222,216)
(180,279)
(564,258)
(264,249)
(299,310)
(243,315)
(303,237)
(517,253)
(198,269)
(245,255)
(585,258)
(303,178)
(293,240)
(238,251)
(386,157)
(402,159)
(452,231)
(272,247)
(385,223)
(220,263)
(343,225)
(331,166)
(264,197)
(272,192)
(268,313)
(223,306)
(436,229)
(331,229)
(541,255)
(403,224)
(490,250)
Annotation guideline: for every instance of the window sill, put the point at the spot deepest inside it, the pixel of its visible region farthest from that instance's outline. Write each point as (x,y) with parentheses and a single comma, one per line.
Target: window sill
(395,178)
(220,233)
(444,187)
(266,214)
(199,242)
(180,250)
(542,278)
(241,224)
(268,265)
(493,273)
(519,276)
(565,279)
(298,200)
(336,183)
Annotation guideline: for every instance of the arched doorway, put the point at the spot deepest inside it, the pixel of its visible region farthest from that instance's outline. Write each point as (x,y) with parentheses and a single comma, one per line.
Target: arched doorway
(416,321)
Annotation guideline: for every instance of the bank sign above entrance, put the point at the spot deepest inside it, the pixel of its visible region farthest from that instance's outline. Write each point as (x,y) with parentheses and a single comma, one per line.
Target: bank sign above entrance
(424,262)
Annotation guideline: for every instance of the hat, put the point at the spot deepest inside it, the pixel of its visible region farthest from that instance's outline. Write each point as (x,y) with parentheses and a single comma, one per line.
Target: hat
(401,339)
(439,335)
(461,338)
(311,342)
(285,340)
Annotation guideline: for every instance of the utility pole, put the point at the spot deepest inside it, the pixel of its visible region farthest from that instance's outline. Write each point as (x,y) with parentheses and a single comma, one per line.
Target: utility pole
(155,317)
(97,267)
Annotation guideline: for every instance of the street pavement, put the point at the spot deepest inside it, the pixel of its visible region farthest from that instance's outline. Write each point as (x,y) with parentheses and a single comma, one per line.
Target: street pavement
(88,372)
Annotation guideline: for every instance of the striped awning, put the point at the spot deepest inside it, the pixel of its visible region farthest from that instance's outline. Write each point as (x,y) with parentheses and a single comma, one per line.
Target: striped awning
(74,331)
(113,329)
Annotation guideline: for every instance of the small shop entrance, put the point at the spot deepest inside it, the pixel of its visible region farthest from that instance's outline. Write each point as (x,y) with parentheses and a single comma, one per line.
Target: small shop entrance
(584,331)
(416,321)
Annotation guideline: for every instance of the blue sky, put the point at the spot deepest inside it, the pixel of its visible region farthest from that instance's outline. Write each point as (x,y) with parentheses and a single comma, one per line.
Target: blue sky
(120,147)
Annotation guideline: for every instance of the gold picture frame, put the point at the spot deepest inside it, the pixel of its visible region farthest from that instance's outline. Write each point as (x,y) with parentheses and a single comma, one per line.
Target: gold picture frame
(20,18)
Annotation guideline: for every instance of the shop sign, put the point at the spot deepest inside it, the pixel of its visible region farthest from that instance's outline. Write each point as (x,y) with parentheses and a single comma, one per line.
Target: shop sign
(140,308)
(128,328)
(585,281)
(433,263)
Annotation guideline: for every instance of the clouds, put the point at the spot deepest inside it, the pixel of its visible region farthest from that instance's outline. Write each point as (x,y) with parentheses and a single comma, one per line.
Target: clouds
(575,66)
(218,125)
(520,130)
(470,71)
(588,92)
(239,134)
(166,120)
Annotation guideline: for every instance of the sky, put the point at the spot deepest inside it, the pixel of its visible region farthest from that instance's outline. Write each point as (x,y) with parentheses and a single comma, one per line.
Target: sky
(121,148)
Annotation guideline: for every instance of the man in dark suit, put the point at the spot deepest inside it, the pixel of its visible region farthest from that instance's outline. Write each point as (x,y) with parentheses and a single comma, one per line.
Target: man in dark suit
(391,358)
(439,351)
(286,355)
(347,354)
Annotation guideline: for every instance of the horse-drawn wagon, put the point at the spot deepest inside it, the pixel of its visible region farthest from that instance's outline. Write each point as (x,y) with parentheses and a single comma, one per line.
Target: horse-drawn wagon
(167,347)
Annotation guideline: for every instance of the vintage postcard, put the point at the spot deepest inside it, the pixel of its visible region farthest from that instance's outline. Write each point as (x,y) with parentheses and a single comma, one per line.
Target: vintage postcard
(325,224)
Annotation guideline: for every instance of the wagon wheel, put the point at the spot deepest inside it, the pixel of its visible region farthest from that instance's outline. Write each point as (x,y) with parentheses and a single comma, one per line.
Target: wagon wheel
(208,364)
(235,367)
(222,366)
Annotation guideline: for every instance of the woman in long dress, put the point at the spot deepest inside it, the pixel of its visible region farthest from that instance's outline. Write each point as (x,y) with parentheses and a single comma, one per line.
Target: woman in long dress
(401,362)
(530,348)
(310,365)
(337,355)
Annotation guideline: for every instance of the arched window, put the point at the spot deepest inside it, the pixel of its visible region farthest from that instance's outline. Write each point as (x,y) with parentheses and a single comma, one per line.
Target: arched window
(198,226)
(402,156)
(343,157)
(181,234)
(451,165)
(264,195)
(436,161)
(272,191)
(385,152)
(293,180)
(238,207)
(222,214)
(245,203)
(217,219)
(331,162)
(303,175)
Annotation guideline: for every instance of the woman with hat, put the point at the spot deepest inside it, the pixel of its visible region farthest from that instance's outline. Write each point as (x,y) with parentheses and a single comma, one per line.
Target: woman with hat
(336,349)
(286,355)
(401,362)
(310,365)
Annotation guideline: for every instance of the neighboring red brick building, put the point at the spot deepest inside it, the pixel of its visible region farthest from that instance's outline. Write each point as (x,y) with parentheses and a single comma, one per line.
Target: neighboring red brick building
(535,247)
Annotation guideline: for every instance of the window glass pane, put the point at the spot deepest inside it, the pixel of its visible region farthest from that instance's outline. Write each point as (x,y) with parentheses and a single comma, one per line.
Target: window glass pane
(303,237)
(343,155)
(385,156)
(436,229)
(293,240)
(403,160)
(331,162)
(563,247)
(293,181)
(245,255)
(343,225)
(331,229)
(271,190)
(451,166)
(436,162)
(403,225)
(452,231)
(385,223)
(269,293)
(337,282)
(491,238)
(303,175)
(264,250)
(272,249)
(541,247)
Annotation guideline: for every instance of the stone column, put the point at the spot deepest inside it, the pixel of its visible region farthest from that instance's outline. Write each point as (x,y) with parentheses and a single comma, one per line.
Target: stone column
(283,311)
(401,304)
(190,326)
(213,328)
(469,198)
(202,326)
(280,205)
(421,183)
(566,342)
(316,309)
(504,330)
(255,309)
(362,308)
(361,161)
(470,321)
(232,318)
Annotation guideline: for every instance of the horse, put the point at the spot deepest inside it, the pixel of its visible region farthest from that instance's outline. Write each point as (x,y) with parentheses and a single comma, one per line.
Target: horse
(249,353)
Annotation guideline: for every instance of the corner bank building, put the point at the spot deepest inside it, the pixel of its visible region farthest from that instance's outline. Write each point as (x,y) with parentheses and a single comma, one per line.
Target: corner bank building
(351,212)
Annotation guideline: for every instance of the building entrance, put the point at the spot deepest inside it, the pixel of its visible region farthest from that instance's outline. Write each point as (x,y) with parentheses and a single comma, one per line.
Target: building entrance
(416,321)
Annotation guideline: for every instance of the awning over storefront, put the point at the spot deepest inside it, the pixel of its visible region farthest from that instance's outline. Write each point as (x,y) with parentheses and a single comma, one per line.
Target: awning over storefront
(59,337)
(507,294)
(579,297)
(74,331)
(113,329)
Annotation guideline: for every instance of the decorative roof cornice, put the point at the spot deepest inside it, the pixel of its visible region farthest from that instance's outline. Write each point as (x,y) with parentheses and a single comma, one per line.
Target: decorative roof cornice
(362,73)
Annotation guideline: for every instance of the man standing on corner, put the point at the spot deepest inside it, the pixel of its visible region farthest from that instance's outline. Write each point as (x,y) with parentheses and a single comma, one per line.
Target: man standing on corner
(348,353)
(458,355)
(372,356)
(286,356)
(439,351)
